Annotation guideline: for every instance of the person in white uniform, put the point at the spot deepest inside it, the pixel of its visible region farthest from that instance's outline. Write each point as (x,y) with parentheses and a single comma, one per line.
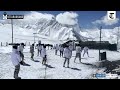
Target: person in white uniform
(78,53)
(61,50)
(43,54)
(67,56)
(15,58)
(71,48)
(39,48)
(85,49)
(20,49)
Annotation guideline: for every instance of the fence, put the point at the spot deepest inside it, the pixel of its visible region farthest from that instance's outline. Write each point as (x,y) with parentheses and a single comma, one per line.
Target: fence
(3,44)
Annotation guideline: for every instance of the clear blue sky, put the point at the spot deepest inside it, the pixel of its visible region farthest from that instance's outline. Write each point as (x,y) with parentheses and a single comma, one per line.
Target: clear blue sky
(85,17)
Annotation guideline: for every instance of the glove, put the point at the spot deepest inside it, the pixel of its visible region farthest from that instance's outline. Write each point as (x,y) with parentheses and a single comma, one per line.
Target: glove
(21,63)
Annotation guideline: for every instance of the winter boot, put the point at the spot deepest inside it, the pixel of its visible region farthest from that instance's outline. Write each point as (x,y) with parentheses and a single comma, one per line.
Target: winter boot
(17,77)
(17,68)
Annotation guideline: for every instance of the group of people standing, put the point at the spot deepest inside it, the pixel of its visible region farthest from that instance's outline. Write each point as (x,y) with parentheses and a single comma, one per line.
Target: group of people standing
(66,52)
(17,55)
(41,51)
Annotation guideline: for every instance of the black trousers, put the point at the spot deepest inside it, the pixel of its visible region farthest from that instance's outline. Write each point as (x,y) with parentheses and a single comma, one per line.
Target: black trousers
(56,52)
(21,55)
(66,60)
(61,53)
(32,55)
(16,72)
(44,60)
(78,55)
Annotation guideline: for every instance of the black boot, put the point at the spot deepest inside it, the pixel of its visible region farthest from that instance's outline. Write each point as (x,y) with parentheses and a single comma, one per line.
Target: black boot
(17,68)
(17,77)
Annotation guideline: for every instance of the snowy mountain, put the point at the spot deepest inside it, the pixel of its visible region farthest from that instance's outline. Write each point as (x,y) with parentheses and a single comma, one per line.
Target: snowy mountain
(45,28)
(107,34)
(49,29)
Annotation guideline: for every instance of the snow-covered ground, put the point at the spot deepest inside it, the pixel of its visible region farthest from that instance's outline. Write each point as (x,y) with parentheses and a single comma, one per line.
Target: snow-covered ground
(37,71)
(51,30)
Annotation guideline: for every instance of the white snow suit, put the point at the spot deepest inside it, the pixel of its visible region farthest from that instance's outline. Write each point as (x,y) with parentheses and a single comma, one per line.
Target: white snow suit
(71,47)
(78,49)
(85,49)
(20,48)
(15,57)
(43,52)
(57,47)
(67,53)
